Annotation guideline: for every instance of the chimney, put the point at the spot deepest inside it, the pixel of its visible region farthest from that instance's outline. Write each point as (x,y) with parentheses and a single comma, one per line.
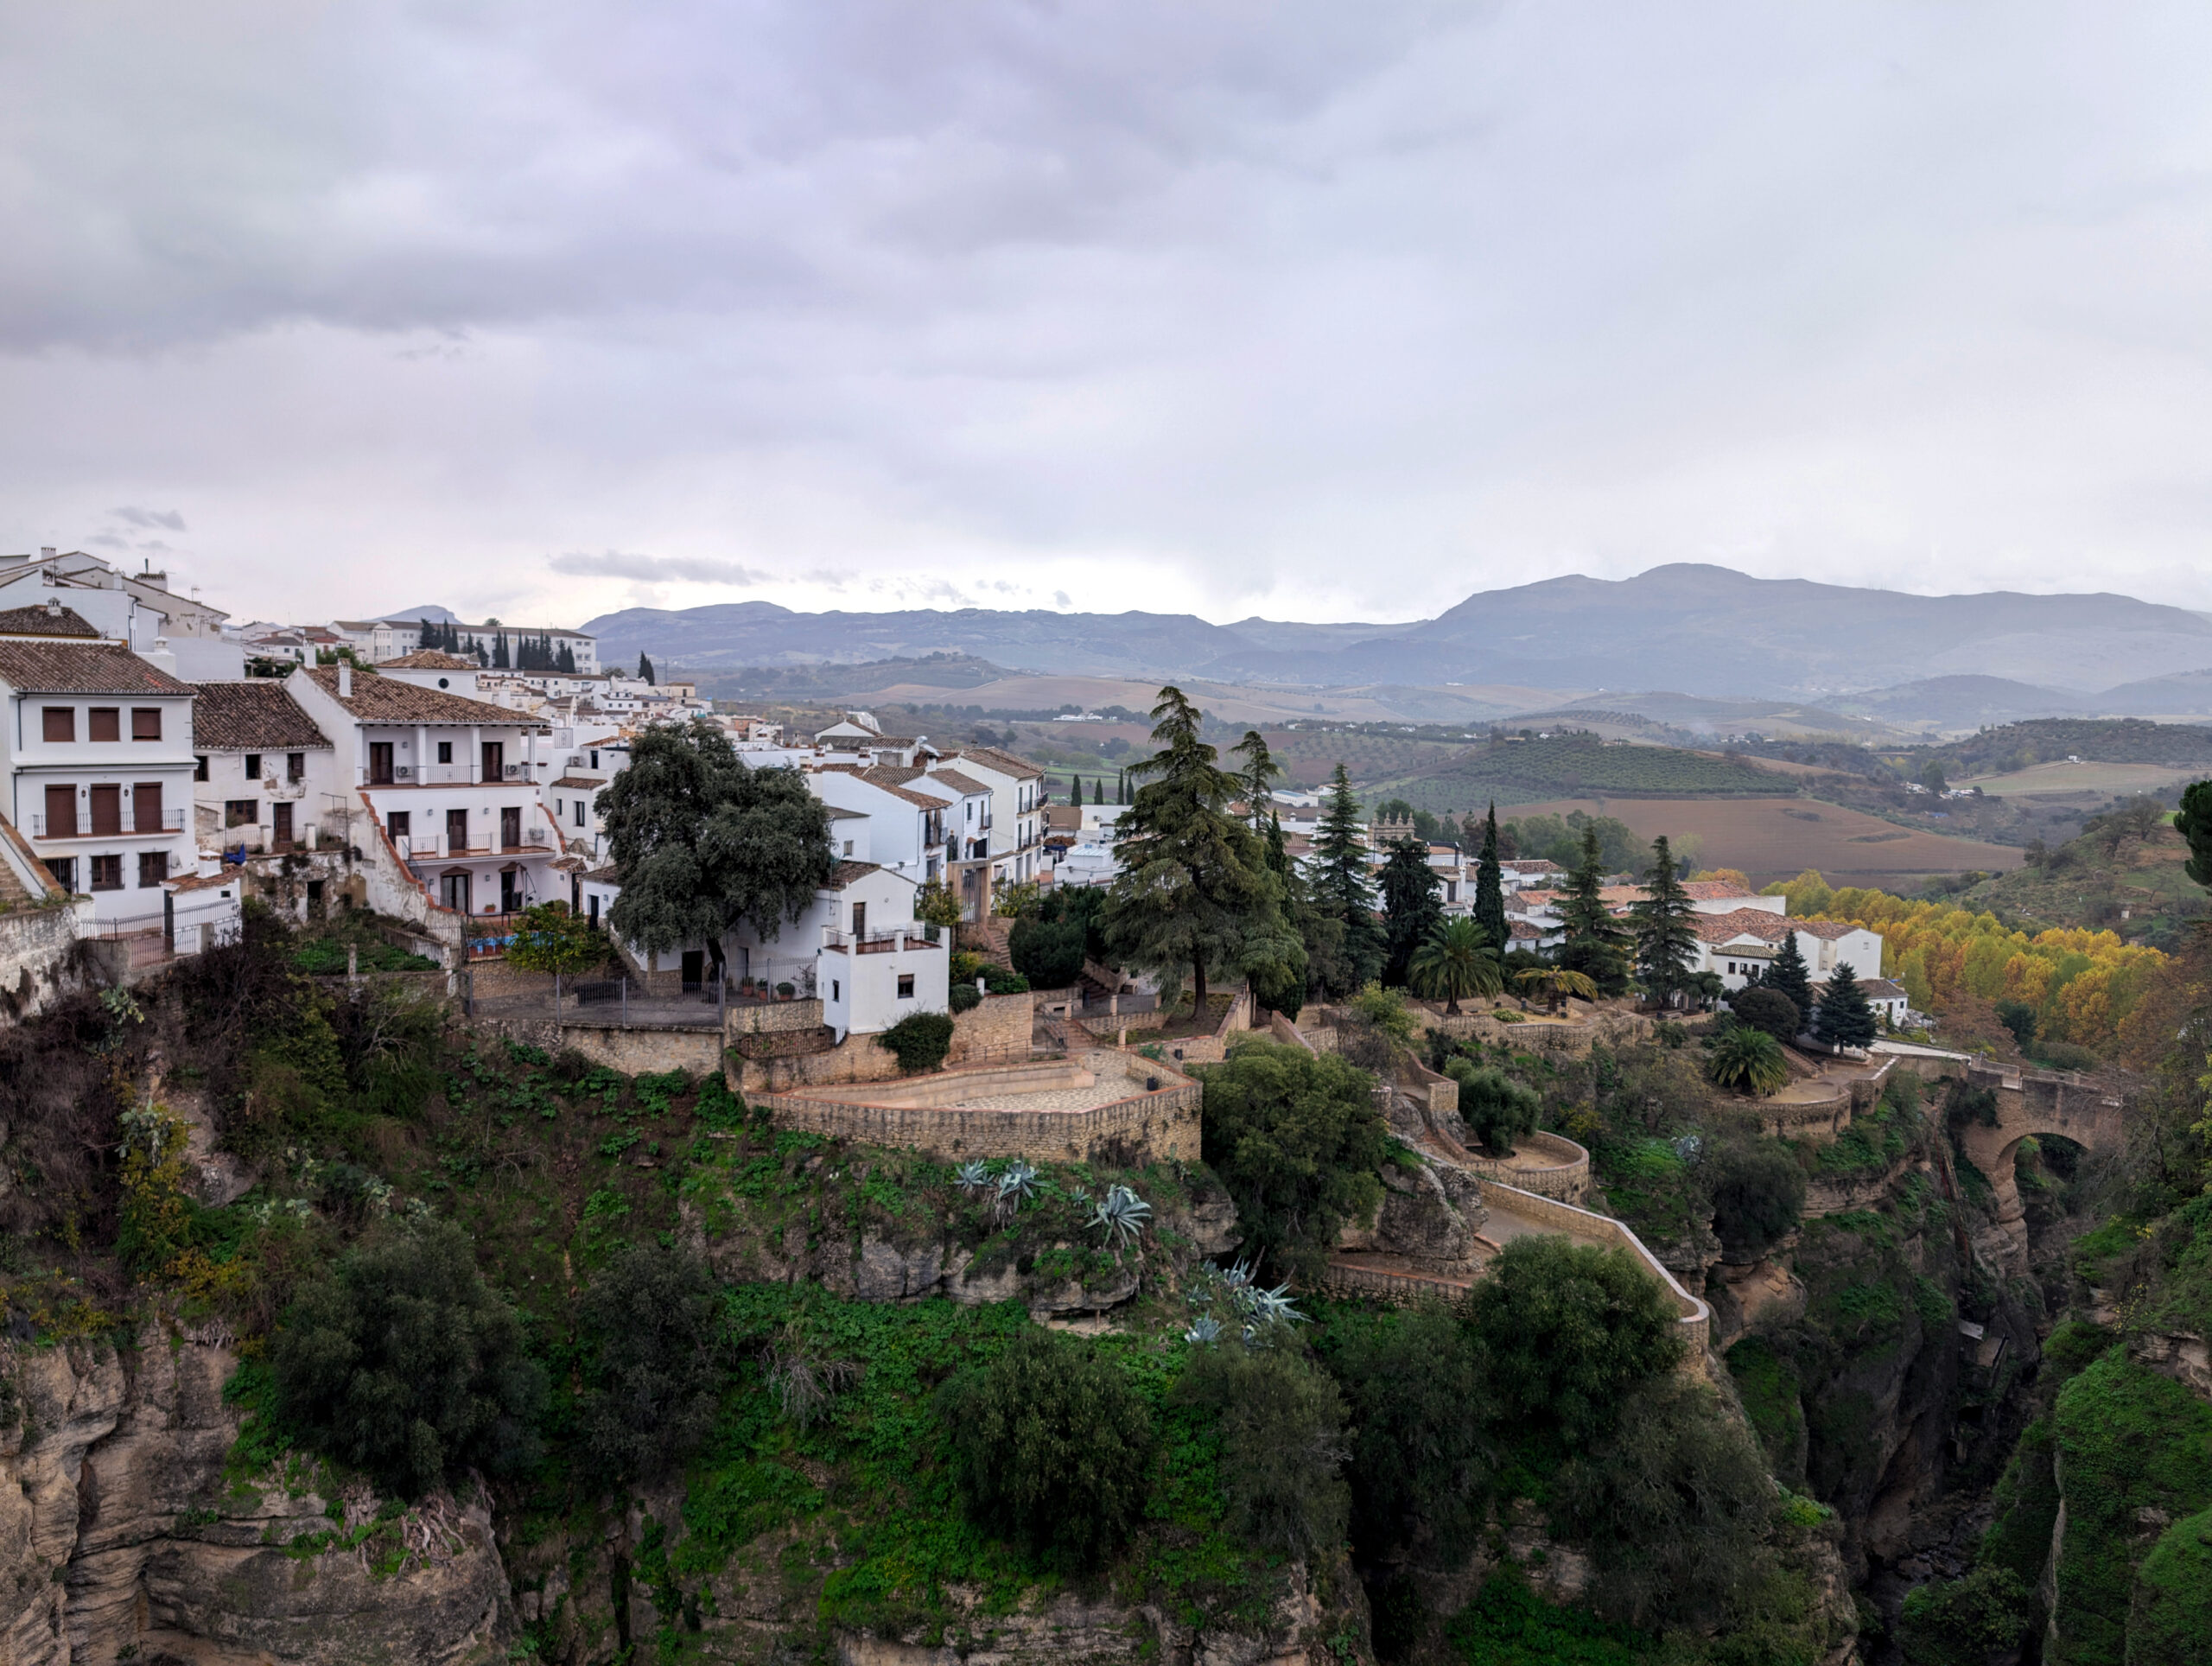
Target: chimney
(54,606)
(345,679)
(46,552)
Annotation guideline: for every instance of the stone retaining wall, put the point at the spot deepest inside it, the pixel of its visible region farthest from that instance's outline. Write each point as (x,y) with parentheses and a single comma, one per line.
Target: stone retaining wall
(999,1026)
(1148,1126)
(1399,1289)
(1568,1180)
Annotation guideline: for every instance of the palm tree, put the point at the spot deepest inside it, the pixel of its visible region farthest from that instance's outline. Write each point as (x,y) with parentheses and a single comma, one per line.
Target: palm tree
(1455,959)
(1748,1060)
(1557,982)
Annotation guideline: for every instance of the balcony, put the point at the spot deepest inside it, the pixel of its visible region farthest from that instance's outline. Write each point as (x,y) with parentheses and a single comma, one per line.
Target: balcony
(441,775)
(435,847)
(123,826)
(897,938)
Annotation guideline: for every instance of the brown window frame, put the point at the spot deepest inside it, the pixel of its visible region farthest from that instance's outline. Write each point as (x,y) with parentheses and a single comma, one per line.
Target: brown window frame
(295,767)
(233,817)
(58,717)
(153,868)
(106,872)
(109,718)
(145,718)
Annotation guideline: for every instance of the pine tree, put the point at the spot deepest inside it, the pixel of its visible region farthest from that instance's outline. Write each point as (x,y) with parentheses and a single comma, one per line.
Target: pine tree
(1845,1019)
(1261,770)
(1595,944)
(1411,909)
(1343,891)
(1489,887)
(1193,894)
(1787,975)
(1665,944)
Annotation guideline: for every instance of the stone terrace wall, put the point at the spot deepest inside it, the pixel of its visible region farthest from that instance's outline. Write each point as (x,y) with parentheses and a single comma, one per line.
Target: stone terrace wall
(1568,1180)
(999,1026)
(1155,1125)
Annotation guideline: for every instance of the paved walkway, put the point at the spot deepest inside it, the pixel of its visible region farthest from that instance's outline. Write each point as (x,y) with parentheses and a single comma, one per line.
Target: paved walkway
(1104,1091)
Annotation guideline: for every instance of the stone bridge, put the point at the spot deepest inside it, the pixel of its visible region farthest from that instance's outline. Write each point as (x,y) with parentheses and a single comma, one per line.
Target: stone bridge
(2066,1103)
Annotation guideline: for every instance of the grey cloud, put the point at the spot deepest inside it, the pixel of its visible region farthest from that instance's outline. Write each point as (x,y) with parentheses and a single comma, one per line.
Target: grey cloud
(657,569)
(149,519)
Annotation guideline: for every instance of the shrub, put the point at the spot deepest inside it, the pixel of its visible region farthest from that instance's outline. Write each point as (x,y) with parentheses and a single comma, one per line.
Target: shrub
(404,1364)
(1565,1330)
(1496,1109)
(1282,1427)
(1295,1139)
(1768,1010)
(920,1039)
(1966,1622)
(1049,953)
(999,981)
(1051,1448)
(2171,1615)
(1673,1504)
(963,997)
(1757,1191)
(1423,1459)
(655,1316)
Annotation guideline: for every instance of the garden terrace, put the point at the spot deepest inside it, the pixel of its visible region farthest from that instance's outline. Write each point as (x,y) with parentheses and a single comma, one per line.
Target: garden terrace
(1054,1110)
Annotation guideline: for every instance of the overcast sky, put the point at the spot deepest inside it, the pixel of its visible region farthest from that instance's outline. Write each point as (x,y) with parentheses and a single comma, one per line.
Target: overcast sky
(1314,310)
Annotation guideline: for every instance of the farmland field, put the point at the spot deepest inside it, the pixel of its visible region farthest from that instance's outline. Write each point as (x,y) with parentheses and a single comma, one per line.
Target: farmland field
(2104,779)
(1577,762)
(1777,838)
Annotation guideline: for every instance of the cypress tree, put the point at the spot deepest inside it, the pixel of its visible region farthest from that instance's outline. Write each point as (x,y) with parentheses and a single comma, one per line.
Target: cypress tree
(1595,944)
(645,668)
(1845,1019)
(1665,945)
(1787,976)
(1489,887)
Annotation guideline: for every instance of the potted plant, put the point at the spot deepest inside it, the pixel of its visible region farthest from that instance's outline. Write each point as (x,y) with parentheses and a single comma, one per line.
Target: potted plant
(785,991)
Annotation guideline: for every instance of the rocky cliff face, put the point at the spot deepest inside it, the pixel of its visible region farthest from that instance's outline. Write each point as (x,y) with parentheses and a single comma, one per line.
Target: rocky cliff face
(122,1538)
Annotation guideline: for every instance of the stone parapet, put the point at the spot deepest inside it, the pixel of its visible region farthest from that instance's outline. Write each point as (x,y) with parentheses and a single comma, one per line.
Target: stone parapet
(1566,1180)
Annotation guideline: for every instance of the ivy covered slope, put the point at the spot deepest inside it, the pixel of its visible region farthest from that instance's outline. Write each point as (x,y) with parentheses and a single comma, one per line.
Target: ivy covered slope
(416,1343)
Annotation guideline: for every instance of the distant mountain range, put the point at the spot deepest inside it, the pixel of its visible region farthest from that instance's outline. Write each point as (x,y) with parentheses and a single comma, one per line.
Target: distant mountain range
(1702,630)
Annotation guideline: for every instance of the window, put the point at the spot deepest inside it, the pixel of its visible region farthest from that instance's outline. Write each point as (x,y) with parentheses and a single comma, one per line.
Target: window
(153,868)
(860,919)
(456,829)
(58,723)
(905,986)
(579,813)
(107,872)
(64,869)
(495,761)
(295,767)
(849,847)
(397,824)
(595,760)
(200,766)
(145,723)
(445,752)
(106,723)
(60,812)
(107,809)
(146,808)
(241,813)
(837,990)
(253,766)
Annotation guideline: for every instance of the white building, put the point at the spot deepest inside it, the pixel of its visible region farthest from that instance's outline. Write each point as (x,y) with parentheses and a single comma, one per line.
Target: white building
(452,786)
(907,827)
(379,639)
(264,776)
(1745,942)
(98,747)
(1016,850)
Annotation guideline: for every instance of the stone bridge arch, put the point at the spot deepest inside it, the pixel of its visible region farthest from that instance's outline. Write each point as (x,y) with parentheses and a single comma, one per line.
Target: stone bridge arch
(2079,1108)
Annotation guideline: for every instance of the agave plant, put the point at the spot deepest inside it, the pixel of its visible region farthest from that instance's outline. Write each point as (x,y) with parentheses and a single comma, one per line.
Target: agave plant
(1017,1184)
(1205,1329)
(1122,1215)
(1274,1307)
(972,1175)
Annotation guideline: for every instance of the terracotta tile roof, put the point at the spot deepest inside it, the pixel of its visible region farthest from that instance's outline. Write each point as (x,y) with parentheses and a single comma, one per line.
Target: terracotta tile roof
(1531,865)
(837,815)
(1714,890)
(388,700)
(204,881)
(429,660)
(38,622)
(1882,989)
(845,872)
(1742,922)
(82,668)
(606,876)
(1004,762)
(256,716)
(890,774)
(958,782)
(1829,930)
